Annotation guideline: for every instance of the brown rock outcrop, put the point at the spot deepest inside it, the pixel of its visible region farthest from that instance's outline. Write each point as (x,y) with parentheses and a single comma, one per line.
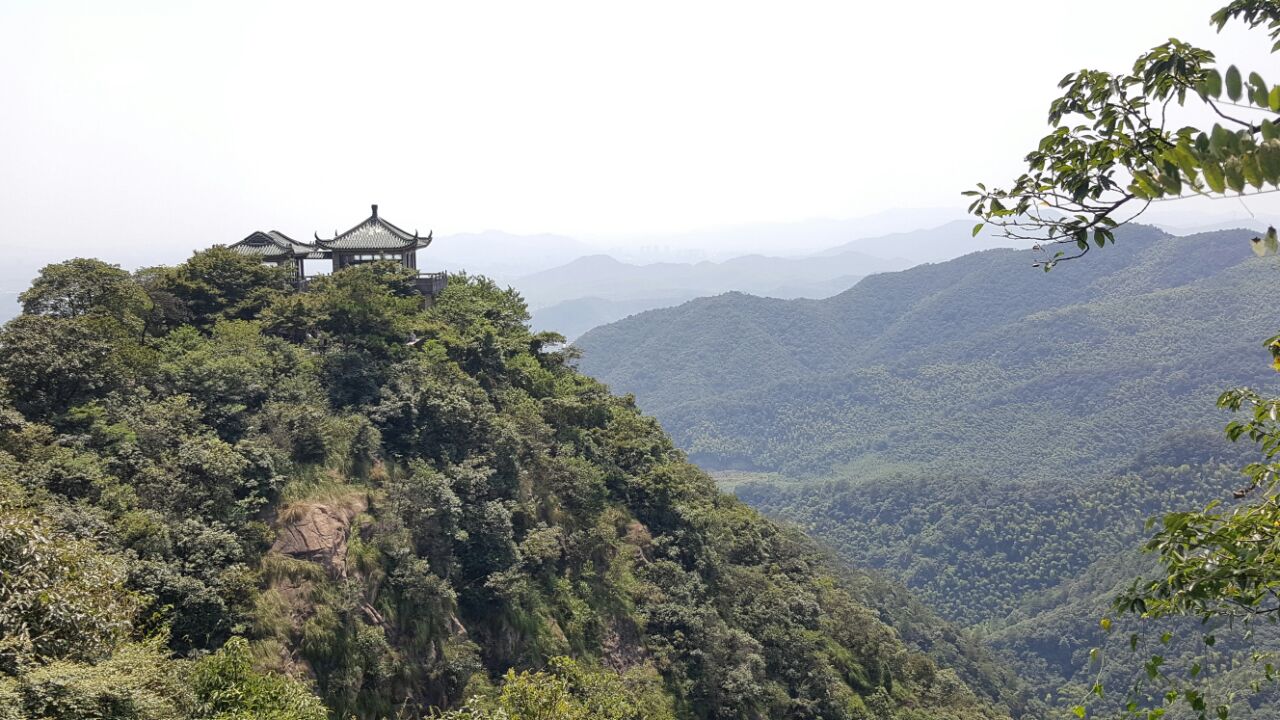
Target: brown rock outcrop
(319,532)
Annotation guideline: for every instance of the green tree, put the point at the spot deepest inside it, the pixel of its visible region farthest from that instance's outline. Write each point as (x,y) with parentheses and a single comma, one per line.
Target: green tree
(59,597)
(227,687)
(219,284)
(569,691)
(62,362)
(372,304)
(83,286)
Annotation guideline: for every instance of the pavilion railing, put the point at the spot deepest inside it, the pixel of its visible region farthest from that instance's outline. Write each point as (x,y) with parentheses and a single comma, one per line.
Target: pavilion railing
(426,283)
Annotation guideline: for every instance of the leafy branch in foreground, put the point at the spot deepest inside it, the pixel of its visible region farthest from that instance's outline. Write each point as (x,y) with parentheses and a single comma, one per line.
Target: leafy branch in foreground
(1220,564)
(1116,146)
(1223,561)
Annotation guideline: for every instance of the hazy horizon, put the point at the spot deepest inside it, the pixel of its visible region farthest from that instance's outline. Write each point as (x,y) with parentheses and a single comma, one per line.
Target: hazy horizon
(142,131)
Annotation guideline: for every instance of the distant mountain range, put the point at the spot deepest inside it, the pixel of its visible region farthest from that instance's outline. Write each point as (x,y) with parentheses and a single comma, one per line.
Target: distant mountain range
(599,289)
(934,244)
(991,435)
(787,239)
(572,286)
(503,255)
(943,363)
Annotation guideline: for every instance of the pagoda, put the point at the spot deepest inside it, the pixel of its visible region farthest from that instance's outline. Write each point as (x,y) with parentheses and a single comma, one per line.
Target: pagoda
(372,240)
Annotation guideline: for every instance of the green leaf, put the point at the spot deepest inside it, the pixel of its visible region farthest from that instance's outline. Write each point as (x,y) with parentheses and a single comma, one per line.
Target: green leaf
(1269,130)
(1234,173)
(1220,140)
(1214,176)
(1078,710)
(1259,94)
(1186,159)
(1150,188)
(1213,83)
(1274,99)
(1252,170)
(1233,83)
(977,229)
(1269,161)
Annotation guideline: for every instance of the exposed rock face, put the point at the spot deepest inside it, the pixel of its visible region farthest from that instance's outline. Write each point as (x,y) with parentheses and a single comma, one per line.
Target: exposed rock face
(319,532)
(622,647)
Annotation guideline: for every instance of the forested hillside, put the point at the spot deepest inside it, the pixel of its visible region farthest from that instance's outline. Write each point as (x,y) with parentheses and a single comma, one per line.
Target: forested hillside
(978,365)
(221,498)
(1029,568)
(993,436)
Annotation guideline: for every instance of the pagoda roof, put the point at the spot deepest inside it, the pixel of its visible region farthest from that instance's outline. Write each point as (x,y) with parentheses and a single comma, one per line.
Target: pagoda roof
(272,244)
(374,233)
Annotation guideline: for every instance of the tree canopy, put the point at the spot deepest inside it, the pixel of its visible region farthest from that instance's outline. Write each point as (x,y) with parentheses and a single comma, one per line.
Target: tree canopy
(236,499)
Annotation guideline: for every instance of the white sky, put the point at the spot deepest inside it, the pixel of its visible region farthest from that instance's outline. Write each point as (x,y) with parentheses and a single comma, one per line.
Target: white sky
(151,128)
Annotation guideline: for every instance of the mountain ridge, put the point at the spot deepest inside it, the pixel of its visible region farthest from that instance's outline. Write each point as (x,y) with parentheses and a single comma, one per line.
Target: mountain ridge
(865,343)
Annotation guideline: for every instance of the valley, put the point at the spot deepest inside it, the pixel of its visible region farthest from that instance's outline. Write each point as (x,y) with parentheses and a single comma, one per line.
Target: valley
(992,436)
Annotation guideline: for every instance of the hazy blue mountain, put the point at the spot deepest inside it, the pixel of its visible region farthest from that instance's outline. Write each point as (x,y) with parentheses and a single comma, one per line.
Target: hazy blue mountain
(500,254)
(934,244)
(990,435)
(575,317)
(978,361)
(572,318)
(787,239)
(598,289)
(604,277)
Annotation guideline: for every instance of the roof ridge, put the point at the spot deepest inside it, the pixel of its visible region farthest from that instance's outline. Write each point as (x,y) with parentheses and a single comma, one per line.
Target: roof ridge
(274,233)
(394,228)
(373,223)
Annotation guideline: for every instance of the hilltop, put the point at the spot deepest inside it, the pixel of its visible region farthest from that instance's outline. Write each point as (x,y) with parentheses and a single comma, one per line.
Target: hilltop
(221,497)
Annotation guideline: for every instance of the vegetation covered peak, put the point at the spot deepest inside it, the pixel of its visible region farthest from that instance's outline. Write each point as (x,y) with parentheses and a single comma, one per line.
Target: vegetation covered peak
(227,498)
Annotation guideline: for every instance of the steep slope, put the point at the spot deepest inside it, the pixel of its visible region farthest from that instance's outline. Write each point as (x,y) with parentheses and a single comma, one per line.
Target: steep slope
(398,508)
(976,363)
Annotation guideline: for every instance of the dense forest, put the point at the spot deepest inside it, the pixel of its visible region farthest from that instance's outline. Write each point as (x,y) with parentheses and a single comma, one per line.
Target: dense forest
(996,443)
(224,498)
(1029,569)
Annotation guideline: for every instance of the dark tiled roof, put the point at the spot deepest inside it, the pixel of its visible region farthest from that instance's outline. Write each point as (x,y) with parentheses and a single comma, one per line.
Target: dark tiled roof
(374,234)
(272,244)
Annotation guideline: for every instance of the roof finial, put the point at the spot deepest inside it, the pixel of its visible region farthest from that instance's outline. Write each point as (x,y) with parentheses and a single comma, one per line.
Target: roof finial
(375,210)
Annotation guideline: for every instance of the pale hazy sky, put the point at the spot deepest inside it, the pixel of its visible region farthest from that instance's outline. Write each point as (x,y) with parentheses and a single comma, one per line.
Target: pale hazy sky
(150,128)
